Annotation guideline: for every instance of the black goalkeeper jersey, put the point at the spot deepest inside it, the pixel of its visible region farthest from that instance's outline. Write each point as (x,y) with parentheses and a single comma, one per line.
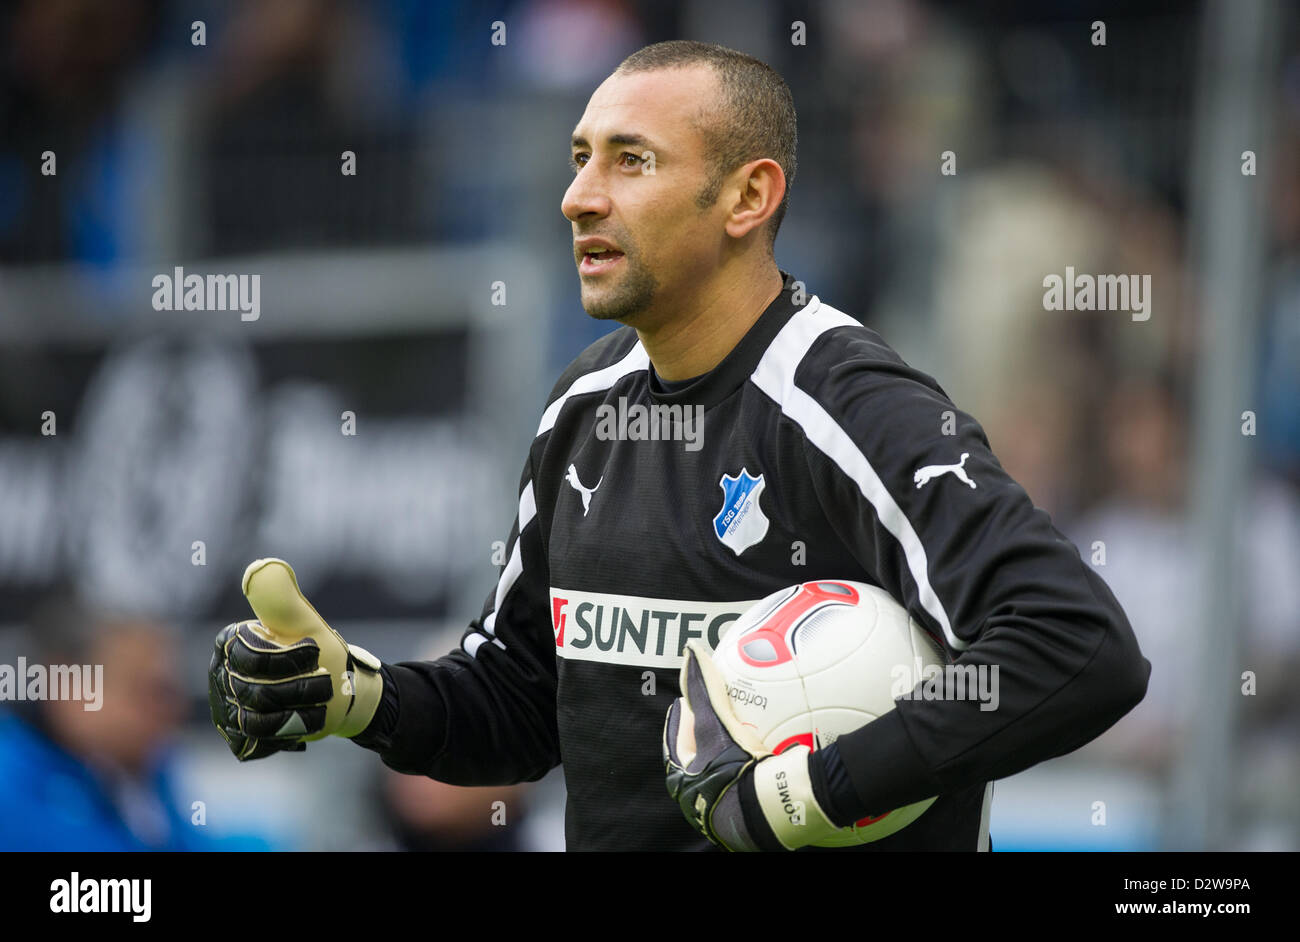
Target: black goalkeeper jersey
(647,518)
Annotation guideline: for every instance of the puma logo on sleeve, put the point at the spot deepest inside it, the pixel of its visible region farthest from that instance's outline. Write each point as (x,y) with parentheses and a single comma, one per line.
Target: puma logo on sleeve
(931,471)
(572,477)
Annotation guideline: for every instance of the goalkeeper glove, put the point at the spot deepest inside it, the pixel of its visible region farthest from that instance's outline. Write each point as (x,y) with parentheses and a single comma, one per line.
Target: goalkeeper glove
(718,770)
(288,677)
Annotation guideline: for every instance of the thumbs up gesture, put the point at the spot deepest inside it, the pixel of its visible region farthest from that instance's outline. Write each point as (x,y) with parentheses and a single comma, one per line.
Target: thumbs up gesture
(287,677)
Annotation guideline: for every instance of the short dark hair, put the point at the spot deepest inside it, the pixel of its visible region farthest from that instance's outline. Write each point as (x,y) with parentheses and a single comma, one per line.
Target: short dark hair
(756,117)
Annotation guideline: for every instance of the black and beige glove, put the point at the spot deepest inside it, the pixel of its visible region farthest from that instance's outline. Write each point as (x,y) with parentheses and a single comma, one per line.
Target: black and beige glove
(288,677)
(731,787)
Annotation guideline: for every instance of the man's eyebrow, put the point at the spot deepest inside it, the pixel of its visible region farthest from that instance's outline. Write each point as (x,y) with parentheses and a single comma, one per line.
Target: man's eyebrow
(623,140)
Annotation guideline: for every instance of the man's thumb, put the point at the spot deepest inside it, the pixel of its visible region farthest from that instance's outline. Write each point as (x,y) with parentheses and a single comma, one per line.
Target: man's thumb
(286,616)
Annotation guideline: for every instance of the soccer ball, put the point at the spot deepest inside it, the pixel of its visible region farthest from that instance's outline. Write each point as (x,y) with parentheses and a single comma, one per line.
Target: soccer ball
(817,660)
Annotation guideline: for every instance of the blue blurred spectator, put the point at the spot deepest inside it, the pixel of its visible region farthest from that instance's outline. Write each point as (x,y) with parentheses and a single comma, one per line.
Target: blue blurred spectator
(76,778)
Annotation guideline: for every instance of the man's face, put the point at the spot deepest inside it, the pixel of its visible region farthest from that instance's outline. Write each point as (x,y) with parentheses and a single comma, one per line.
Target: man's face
(663,245)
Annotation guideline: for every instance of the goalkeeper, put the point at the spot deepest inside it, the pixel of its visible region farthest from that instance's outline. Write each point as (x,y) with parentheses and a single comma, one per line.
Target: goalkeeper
(789,443)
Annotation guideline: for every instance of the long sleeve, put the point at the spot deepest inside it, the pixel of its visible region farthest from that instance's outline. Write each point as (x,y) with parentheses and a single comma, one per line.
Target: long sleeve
(486,713)
(951,536)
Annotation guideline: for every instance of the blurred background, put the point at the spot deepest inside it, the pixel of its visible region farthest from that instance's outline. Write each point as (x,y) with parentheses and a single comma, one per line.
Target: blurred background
(146,456)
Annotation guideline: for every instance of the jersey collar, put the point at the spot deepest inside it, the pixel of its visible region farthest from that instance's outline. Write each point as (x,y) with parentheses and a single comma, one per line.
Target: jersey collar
(720,382)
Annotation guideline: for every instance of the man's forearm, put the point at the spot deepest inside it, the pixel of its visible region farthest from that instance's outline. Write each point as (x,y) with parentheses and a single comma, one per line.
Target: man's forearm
(1048,705)
(407,740)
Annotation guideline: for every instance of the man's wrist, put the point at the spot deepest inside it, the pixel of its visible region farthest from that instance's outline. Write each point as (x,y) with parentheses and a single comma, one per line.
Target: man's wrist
(833,787)
(364,686)
(378,734)
(756,826)
(783,787)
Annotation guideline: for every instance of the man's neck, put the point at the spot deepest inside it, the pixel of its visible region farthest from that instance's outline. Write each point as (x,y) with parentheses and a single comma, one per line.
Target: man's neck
(701,335)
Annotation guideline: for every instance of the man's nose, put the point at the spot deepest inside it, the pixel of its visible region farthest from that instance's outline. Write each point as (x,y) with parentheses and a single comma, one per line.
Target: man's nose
(586,196)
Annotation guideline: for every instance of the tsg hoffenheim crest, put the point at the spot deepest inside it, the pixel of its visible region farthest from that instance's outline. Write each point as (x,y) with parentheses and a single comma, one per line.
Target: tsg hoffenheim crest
(741,523)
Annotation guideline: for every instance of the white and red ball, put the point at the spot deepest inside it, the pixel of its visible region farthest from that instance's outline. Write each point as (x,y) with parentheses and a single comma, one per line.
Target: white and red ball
(817,660)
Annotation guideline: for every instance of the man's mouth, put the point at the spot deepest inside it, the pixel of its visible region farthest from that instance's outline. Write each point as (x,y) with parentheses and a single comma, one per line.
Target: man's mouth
(595,261)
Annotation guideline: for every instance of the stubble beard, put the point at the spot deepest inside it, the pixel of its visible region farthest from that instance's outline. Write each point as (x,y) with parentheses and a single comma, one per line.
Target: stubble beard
(626,300)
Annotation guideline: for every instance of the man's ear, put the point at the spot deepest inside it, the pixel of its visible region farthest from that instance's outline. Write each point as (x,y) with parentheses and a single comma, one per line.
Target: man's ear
(758,188)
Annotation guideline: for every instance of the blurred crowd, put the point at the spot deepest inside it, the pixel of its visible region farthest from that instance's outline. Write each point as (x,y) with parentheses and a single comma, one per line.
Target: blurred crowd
(1066,153)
